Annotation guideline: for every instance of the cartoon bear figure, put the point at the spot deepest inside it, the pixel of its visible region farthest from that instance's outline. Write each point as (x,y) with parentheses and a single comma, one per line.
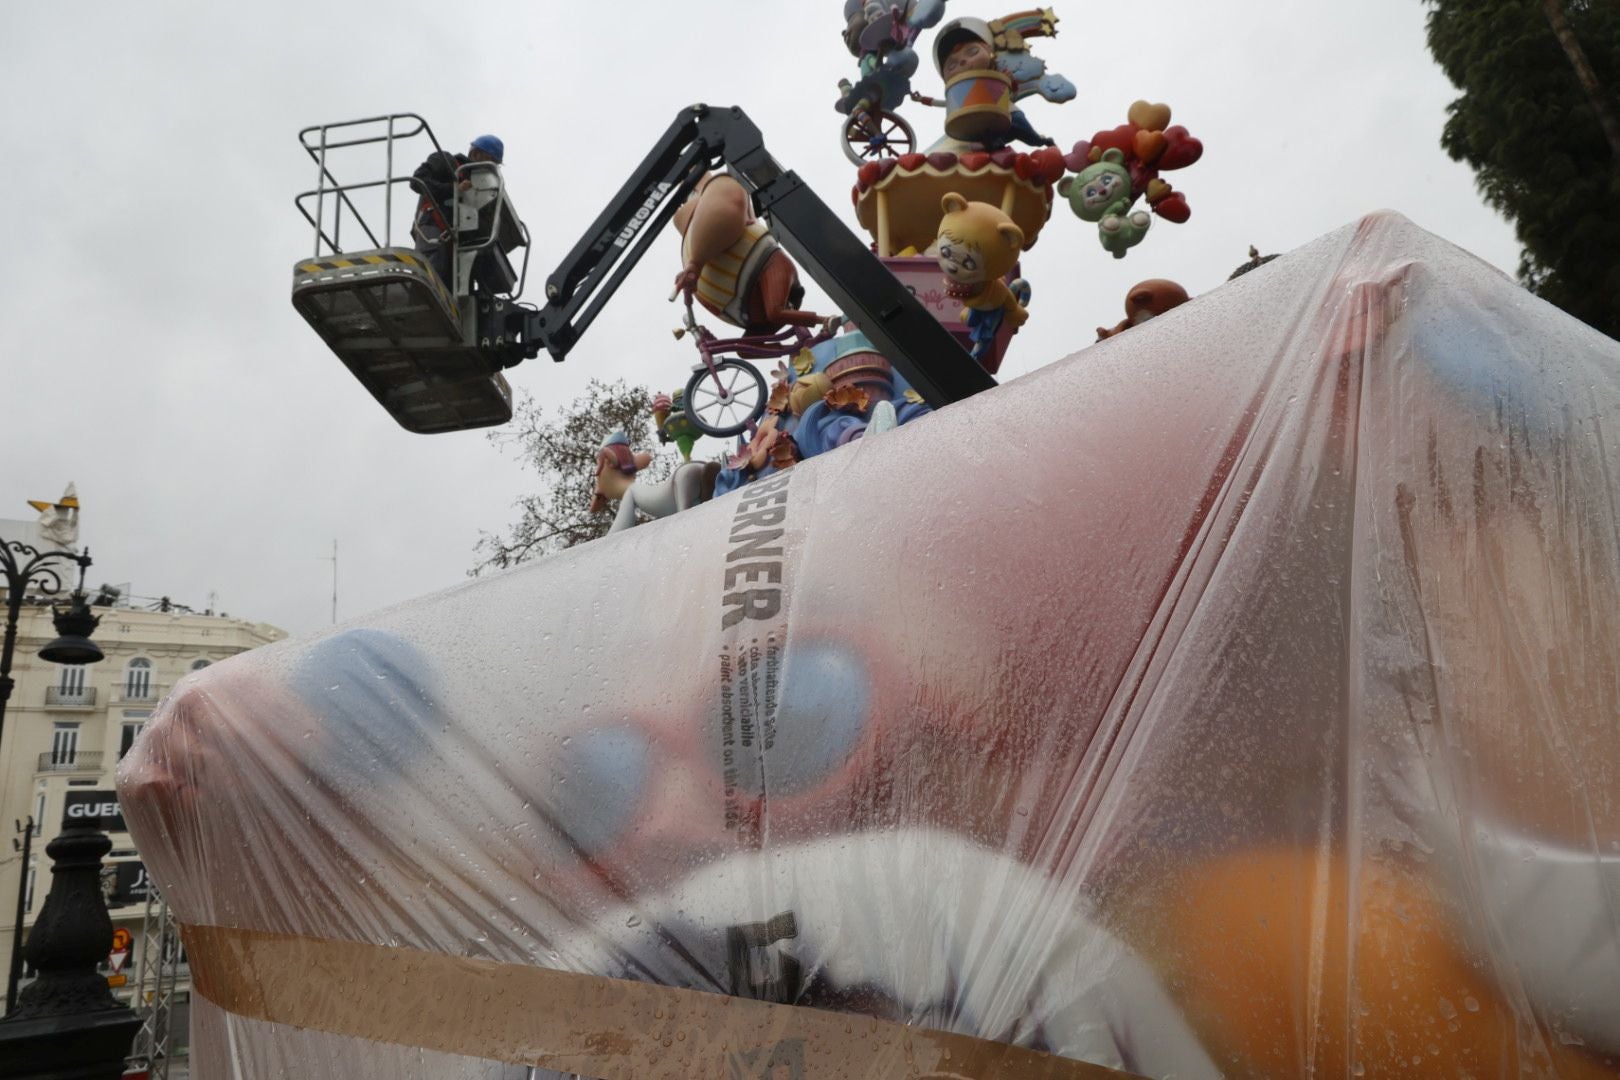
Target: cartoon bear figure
(1146,300)
(977,245)
(1102,192)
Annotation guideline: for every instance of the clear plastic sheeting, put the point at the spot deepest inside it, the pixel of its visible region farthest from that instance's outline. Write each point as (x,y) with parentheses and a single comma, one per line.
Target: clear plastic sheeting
(1240,696)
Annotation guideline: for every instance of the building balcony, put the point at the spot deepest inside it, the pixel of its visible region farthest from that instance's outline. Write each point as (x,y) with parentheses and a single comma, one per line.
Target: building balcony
(57,698)
(57,761)
(124,694)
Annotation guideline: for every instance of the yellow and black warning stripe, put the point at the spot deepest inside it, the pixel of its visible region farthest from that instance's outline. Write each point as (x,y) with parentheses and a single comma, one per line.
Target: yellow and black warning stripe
(326,265)
(362,260)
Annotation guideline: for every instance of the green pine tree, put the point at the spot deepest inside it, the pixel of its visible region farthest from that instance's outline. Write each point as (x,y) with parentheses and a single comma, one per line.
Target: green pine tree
(1539,122)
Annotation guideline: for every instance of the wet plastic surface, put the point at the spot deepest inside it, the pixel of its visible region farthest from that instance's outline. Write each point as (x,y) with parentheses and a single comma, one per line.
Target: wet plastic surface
(1240,696)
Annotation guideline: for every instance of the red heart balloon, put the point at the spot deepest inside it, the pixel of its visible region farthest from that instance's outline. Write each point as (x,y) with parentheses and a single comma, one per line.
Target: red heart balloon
(1048,165)
(1122,138)
(1079,157)
(1173,207)
(1180,149)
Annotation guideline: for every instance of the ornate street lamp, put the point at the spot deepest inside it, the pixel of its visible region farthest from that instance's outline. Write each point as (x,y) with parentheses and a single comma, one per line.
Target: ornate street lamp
(25,565)
(74,625)
(66,1025)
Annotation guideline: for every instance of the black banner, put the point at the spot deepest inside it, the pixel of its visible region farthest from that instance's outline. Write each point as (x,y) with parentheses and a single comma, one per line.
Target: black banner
(99,808)
(130,884)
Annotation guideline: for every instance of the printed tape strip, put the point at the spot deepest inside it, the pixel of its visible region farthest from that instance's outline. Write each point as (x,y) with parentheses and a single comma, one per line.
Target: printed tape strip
(599,1027)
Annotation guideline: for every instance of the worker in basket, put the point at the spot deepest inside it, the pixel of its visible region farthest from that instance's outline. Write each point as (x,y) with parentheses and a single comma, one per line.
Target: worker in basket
(436,181)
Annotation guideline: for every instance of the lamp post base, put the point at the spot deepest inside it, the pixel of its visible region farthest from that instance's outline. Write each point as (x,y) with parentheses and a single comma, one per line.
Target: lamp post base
(77,1046)
(67,1025)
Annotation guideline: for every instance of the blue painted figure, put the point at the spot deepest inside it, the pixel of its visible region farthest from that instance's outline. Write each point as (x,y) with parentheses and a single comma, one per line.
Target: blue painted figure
(833,393)
(879,36)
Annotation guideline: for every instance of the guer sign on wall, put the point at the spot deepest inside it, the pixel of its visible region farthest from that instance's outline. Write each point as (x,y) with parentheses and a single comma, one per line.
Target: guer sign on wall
(99,808)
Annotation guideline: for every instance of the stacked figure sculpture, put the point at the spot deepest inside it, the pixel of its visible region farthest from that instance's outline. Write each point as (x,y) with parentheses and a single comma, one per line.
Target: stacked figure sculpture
(951,220)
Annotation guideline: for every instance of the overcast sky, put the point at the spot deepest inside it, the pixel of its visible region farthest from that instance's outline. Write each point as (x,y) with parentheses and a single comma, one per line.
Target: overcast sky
(150,352)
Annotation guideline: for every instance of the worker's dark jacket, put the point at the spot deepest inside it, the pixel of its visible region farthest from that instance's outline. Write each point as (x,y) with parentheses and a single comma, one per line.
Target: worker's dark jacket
(435,180)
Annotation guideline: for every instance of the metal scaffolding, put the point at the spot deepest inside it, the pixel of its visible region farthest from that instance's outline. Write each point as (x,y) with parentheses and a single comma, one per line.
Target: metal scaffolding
(156,977)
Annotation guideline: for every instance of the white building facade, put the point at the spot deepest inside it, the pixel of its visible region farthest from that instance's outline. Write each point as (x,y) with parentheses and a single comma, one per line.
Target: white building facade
(66,727)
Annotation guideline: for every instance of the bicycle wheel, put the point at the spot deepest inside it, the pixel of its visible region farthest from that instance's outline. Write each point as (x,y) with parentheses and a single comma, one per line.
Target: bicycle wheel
(722,401)
(869,135)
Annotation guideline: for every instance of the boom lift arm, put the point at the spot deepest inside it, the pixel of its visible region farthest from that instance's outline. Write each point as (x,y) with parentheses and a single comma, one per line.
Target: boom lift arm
(701,139)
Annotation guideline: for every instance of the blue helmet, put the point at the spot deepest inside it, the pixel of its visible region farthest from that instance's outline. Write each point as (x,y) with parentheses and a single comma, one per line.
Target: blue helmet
(490,145)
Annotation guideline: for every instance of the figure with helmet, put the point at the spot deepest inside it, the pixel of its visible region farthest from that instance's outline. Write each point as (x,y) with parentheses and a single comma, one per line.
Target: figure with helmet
(436,180)
(987,68)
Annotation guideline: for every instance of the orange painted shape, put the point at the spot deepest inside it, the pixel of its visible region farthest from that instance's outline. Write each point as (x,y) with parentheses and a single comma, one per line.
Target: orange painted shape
(1289,968)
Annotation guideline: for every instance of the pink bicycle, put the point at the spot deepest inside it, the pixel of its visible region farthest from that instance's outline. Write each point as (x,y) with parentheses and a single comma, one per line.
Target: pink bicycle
(726,394)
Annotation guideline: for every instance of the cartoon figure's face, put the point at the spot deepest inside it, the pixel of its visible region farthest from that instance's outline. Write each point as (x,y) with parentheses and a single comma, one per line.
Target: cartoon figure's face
(1106,184)
(972,55)
(961,262)
(977,242)
(1100,188)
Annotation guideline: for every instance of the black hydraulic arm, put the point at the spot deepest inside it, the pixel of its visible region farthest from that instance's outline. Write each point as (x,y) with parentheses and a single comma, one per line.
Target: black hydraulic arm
(590,274)
(701,139)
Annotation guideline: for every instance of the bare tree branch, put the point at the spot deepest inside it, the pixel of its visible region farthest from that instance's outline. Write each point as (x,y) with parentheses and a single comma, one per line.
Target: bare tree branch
(561,448)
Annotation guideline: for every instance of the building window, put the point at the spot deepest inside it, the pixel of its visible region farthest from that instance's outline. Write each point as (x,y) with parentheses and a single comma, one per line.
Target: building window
(132,731)
(65,744)
(28,891)
(198,665)
(71,680)
(138,679)
(39,813)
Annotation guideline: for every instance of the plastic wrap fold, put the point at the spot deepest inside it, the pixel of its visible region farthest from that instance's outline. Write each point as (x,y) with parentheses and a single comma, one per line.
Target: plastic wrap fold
(1239,696)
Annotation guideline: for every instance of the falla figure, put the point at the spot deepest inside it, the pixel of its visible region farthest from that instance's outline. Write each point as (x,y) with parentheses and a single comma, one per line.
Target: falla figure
(977,247)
